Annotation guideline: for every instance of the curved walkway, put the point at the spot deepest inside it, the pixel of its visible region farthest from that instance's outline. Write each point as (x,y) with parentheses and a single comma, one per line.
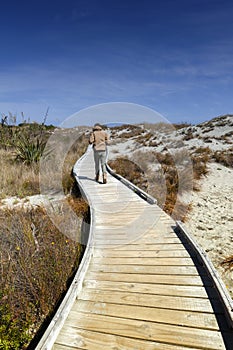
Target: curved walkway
(144,288)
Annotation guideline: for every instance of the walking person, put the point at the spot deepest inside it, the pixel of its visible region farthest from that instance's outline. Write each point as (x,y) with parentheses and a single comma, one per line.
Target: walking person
(99,139)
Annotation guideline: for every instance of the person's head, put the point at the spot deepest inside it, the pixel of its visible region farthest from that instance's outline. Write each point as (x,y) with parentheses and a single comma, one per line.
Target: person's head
(97,126)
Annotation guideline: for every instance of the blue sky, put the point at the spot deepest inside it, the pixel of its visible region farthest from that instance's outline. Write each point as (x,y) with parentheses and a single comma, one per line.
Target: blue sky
(175,57)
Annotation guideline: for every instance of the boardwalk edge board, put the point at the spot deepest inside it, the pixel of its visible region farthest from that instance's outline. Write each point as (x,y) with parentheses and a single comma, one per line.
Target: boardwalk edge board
(224,295)
(48,338)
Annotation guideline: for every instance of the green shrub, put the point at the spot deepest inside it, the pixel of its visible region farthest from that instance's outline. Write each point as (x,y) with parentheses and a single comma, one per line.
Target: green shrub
(14,333)
(28,150)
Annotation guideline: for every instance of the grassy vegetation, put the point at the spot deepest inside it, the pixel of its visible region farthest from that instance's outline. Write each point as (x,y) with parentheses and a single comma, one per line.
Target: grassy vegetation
(11,134)
(200,158)
(20,150)
(20,156)
(36,259)
(36,263)
(173,179)
(181,125)
(224,157)
(17,178)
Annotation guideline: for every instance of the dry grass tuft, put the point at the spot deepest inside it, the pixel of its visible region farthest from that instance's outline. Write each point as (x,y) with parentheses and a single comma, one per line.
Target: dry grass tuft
(227,263)
(200,158)
(20,179)
(79,206)
(17,178)
(181,125)
(224,157)
(129,170)
(145,139)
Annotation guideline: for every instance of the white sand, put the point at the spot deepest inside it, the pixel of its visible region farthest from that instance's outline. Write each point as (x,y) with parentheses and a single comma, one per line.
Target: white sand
(211,219)
(28,202)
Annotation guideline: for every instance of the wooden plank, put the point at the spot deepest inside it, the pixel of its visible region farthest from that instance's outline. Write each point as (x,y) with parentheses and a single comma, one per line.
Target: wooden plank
(150,300)
(154,270)
(136,246)
(143,240)
(114,221)
(160,232)
(105,216)
(106,231)
(125,212)
(161,261)
(177,335)
(176,317)
(134,240)
(178,280)
(173,290)
(98,201)
(158,240)
(130,225)
(75,338)
(140,254)
(65,347)
(121,209)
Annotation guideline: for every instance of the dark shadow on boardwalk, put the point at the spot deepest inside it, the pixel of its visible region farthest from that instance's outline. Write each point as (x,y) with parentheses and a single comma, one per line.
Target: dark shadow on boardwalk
(227,332)
(87,178)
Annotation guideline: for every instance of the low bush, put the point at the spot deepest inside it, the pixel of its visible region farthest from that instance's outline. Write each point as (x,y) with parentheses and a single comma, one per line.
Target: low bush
(200,158)
(125,127)
(177,182)
(200,167)
(188,136)
(129,170)
(145,138)
(227,263)
(181,125)
(224,157)
(131,133)
(36,263)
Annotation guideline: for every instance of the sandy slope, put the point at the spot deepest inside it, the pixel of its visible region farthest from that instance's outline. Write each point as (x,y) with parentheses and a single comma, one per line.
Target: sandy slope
(211,219)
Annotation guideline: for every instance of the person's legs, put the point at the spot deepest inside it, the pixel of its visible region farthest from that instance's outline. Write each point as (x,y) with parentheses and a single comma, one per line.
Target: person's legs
(102,158)
(97,165)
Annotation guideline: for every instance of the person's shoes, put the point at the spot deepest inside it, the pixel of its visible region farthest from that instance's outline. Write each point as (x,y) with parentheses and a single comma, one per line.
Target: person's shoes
(104,178)
(97,178)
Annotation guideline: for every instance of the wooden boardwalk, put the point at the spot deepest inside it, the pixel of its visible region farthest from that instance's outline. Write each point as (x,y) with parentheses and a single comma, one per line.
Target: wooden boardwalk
(143,288)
